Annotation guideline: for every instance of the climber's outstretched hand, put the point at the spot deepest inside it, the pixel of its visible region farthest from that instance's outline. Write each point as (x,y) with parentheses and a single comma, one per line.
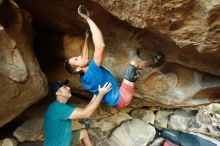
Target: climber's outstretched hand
(83,12)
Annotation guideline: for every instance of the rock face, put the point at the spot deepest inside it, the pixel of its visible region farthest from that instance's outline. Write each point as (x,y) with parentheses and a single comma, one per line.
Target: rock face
(186,32)
(190,24)
(110,127)
(181,29)
(22,81)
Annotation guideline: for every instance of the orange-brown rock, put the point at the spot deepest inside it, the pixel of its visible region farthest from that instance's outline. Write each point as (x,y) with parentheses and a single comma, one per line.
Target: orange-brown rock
(22,81)
(190,24)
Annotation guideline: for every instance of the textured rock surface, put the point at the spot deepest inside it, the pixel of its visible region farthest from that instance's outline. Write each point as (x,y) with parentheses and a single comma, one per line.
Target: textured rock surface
(187,32)
(194,26)
(191,24)
(30,130)
(184,30)
(22,81)
(132,133)
(9,142)
(125,130)
(144,115)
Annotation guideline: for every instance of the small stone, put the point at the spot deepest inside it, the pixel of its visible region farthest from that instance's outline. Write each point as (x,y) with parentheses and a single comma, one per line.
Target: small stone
(9,142)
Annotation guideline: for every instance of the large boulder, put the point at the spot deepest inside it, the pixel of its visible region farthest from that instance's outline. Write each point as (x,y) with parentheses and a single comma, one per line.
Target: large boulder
(132,133)
(190,24)
(22,81)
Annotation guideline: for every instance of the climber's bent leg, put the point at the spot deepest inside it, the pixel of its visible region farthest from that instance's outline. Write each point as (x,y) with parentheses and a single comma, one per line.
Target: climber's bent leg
(127,93)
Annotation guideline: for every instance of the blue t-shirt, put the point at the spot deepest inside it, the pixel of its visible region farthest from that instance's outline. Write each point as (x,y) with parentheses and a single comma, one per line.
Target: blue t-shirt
(57,125)
(96,76)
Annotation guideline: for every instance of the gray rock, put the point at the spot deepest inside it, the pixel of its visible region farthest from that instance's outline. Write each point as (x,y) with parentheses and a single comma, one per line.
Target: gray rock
(181,119)
(144,115)
(30,130)
(162,118)
(9,142)
(111,122)
(133,133)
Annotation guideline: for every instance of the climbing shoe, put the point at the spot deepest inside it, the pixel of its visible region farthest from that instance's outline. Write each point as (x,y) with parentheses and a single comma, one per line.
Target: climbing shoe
(131,73)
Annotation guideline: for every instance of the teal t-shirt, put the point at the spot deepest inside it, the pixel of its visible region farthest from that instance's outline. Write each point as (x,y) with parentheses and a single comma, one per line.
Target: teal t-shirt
(96,76)
(57,125)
